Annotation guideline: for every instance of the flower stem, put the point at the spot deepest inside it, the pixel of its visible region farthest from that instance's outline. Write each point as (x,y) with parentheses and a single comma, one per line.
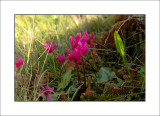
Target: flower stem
(78,74)
(127,67)
(54,56)
(57,62)
(84,77)
(54,63)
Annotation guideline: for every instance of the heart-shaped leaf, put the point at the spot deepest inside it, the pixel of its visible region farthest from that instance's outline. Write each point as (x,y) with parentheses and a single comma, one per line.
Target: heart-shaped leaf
(105,74)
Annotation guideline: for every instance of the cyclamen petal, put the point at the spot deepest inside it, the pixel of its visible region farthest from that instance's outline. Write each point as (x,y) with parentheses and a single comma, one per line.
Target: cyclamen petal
(49,47)
(86,34)
(75,56)
(77,38)
(78,61)
(19,63)
(41,86)
(85,50)
(61,58)
(50,50)
(48,97)
(88,40)
(18,59)
(54,46)
(63,55)
(46,91)
(91,37)
(41,91)
(67,50)
(51,89)
(84,39)
(50,43)
(72,42)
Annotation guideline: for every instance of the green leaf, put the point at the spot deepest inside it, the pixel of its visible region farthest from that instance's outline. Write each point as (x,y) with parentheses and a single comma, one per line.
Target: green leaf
(142,72)
(120,81)
(76,92)
(93,75)
(66,77)
(142,69)
(119,43)
(105,74)
(128,98)
(54,96)
(72,88)
(120,48)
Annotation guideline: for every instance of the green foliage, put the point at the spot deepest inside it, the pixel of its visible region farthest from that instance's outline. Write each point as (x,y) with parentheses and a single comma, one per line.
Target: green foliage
(120,48)
(54,96)
(128,98)
(75,93)
(119,44)
(71,88)
(66,77)
(142,71)
(120,80)
(55,66)
(82,98)
(105,74)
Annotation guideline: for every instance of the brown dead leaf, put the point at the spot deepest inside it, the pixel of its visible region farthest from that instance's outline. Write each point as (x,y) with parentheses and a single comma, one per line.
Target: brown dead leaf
(90,91)
(68,66)
(94,55)
(126,77)
(43,80)
(122,99)
(63,96)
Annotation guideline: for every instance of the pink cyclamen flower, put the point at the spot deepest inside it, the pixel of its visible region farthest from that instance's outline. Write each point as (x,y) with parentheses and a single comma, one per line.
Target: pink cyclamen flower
(74,43)
(75,56)
(46,91)
(61,58)
(79,45)
(82,47)
(19,63)
(49,46)
(88,40)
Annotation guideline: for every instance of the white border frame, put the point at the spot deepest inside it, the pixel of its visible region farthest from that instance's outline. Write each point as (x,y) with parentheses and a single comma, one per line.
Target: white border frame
(150,107)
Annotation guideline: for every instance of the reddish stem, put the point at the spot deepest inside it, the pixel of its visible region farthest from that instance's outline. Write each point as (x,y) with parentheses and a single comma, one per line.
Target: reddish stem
(78,74)
(84,77)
